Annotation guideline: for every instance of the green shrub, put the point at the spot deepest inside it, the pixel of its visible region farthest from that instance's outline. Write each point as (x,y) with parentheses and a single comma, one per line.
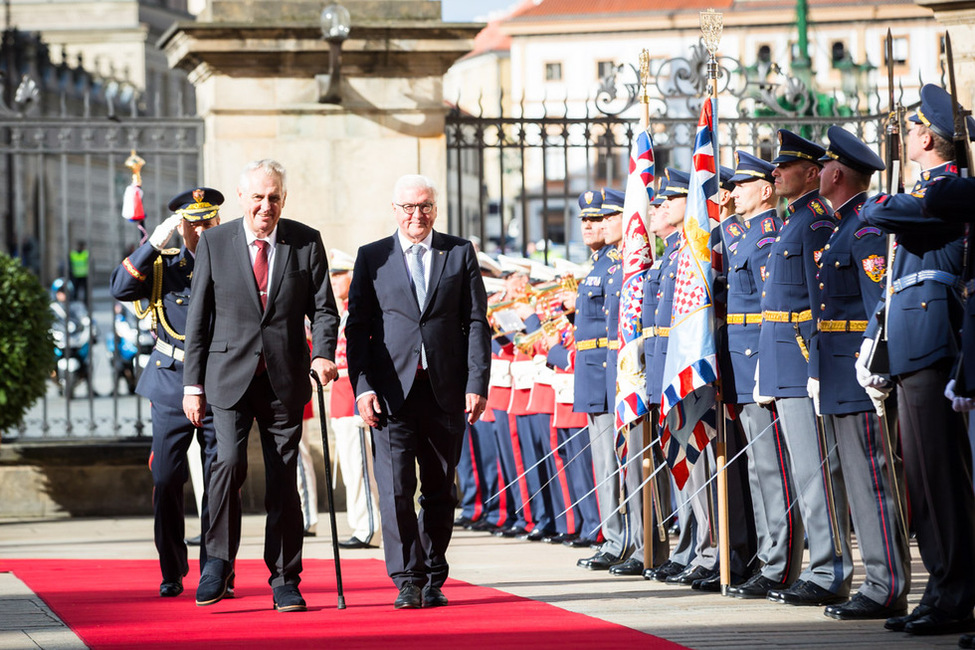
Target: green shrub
(26,346)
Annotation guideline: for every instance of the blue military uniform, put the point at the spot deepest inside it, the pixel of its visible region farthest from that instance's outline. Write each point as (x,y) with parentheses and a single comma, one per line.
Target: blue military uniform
(790,291)
(924,316)
(162,279)
(851,276)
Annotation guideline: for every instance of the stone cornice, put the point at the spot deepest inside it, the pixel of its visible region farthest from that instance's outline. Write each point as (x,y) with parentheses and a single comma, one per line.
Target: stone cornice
(417,48)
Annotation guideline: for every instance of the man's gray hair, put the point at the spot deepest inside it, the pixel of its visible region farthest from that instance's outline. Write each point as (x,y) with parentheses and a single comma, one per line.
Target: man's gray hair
(269,167)
(414,182)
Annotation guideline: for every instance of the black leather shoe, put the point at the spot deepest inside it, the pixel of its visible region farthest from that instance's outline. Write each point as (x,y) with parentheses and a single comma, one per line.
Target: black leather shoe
(433,597)
(861,608)
(483,526)
(688,576)
(805,593)
(967,641)
(561,538)
(757,586)
(632,567)
(171,588)
(310,532)
(667,569)
(409,597)
(937,622)
(897,623)
(599,562)
(536,535)
(463,522)
(354,542)
(216,575)
(193,541)
(579,542)
(713,584)
(287,598)
(511,531)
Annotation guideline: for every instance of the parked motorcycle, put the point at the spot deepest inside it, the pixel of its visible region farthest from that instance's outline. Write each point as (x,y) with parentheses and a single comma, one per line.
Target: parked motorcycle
(74,334)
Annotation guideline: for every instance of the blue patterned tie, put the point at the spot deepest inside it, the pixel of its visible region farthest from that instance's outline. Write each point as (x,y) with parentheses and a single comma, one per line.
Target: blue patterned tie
(420,287)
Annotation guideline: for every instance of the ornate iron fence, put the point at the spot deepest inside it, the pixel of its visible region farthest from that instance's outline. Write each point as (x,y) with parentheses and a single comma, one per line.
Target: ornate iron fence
(514,176)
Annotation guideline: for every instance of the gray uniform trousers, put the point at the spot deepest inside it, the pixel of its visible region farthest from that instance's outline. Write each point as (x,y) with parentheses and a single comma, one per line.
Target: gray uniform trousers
(623,533)
(873,504)
(827,569)
(604,464)
(705,545)
(777,526)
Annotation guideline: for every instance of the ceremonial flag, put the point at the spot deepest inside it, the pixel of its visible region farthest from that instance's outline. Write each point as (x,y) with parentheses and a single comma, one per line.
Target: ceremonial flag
(637,256)
(690,372)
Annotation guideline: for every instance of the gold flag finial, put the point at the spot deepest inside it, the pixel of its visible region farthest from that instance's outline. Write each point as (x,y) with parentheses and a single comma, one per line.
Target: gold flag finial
(644,75)
(712,23)
(135,163)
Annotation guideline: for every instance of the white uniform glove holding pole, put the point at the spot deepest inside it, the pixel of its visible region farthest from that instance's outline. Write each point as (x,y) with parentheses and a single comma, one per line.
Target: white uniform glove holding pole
(958,404)
(164,232)
(761,400)
(864,377)
(812,389)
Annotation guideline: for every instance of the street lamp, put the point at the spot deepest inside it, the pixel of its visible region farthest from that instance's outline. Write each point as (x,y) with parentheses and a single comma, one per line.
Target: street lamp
(335,24)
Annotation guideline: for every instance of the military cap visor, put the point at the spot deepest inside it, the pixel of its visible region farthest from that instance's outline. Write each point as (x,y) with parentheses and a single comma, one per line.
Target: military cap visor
(198,204)
(751,168)
(846,148)
(675,183)
(793,147)
(725,179)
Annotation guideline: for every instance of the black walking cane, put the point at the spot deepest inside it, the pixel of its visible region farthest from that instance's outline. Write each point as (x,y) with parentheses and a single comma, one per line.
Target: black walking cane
(328,490)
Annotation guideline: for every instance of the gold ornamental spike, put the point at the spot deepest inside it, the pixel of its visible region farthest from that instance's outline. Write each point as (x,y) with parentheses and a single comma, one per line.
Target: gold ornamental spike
(135,163)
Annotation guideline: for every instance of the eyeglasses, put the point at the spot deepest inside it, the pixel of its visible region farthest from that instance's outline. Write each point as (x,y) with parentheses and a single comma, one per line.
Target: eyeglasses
(410,208)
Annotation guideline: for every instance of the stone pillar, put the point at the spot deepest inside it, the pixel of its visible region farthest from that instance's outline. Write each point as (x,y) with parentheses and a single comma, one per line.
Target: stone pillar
(254,62)
(958,17)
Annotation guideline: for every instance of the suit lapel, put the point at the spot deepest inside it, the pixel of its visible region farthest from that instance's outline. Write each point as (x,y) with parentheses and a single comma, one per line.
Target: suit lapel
(282,254)
(438,258)
(246,268)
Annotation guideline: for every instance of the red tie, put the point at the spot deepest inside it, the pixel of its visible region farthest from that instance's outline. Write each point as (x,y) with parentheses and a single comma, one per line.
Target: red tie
(260,274)
(260,270)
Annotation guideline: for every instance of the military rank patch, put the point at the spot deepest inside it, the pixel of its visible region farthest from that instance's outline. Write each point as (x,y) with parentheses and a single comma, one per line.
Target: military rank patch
(951,168)
(818,207)
(762,272)
(768,225)
(869,230)
(874,266)
(761,243)
(614,254)
(919,192)
(825,223)
(733,229)
(817,255)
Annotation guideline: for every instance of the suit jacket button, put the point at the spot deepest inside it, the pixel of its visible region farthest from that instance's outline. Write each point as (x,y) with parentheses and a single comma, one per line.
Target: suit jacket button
(158,363)
(748,352)
(179,301)
(821,286)
(604,364)
(924,305)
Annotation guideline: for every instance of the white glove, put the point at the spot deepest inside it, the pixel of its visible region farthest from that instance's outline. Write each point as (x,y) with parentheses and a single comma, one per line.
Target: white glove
(164,231)
(958,404)
(864,377)
(812,389)
(761,400)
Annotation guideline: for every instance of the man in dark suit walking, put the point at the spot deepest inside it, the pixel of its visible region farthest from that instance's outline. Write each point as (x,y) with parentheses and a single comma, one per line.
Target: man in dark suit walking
(419,356)
(256,280)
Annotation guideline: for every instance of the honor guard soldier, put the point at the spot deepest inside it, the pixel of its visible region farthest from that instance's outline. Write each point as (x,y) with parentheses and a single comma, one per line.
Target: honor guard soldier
(778,528)
(923,316)
(791,289)
(851,281)
(660,227)
(630,478)
(590,381)
(588,324)
(161,277)
(694,556)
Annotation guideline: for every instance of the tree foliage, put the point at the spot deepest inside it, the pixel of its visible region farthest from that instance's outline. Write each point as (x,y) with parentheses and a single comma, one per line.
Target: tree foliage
(26,346)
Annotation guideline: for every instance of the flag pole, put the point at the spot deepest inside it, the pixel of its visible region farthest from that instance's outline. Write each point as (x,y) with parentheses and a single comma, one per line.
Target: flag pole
(711,26)
(649,492)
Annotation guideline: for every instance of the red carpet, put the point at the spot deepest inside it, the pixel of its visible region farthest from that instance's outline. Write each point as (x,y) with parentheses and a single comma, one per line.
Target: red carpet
(115,604)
